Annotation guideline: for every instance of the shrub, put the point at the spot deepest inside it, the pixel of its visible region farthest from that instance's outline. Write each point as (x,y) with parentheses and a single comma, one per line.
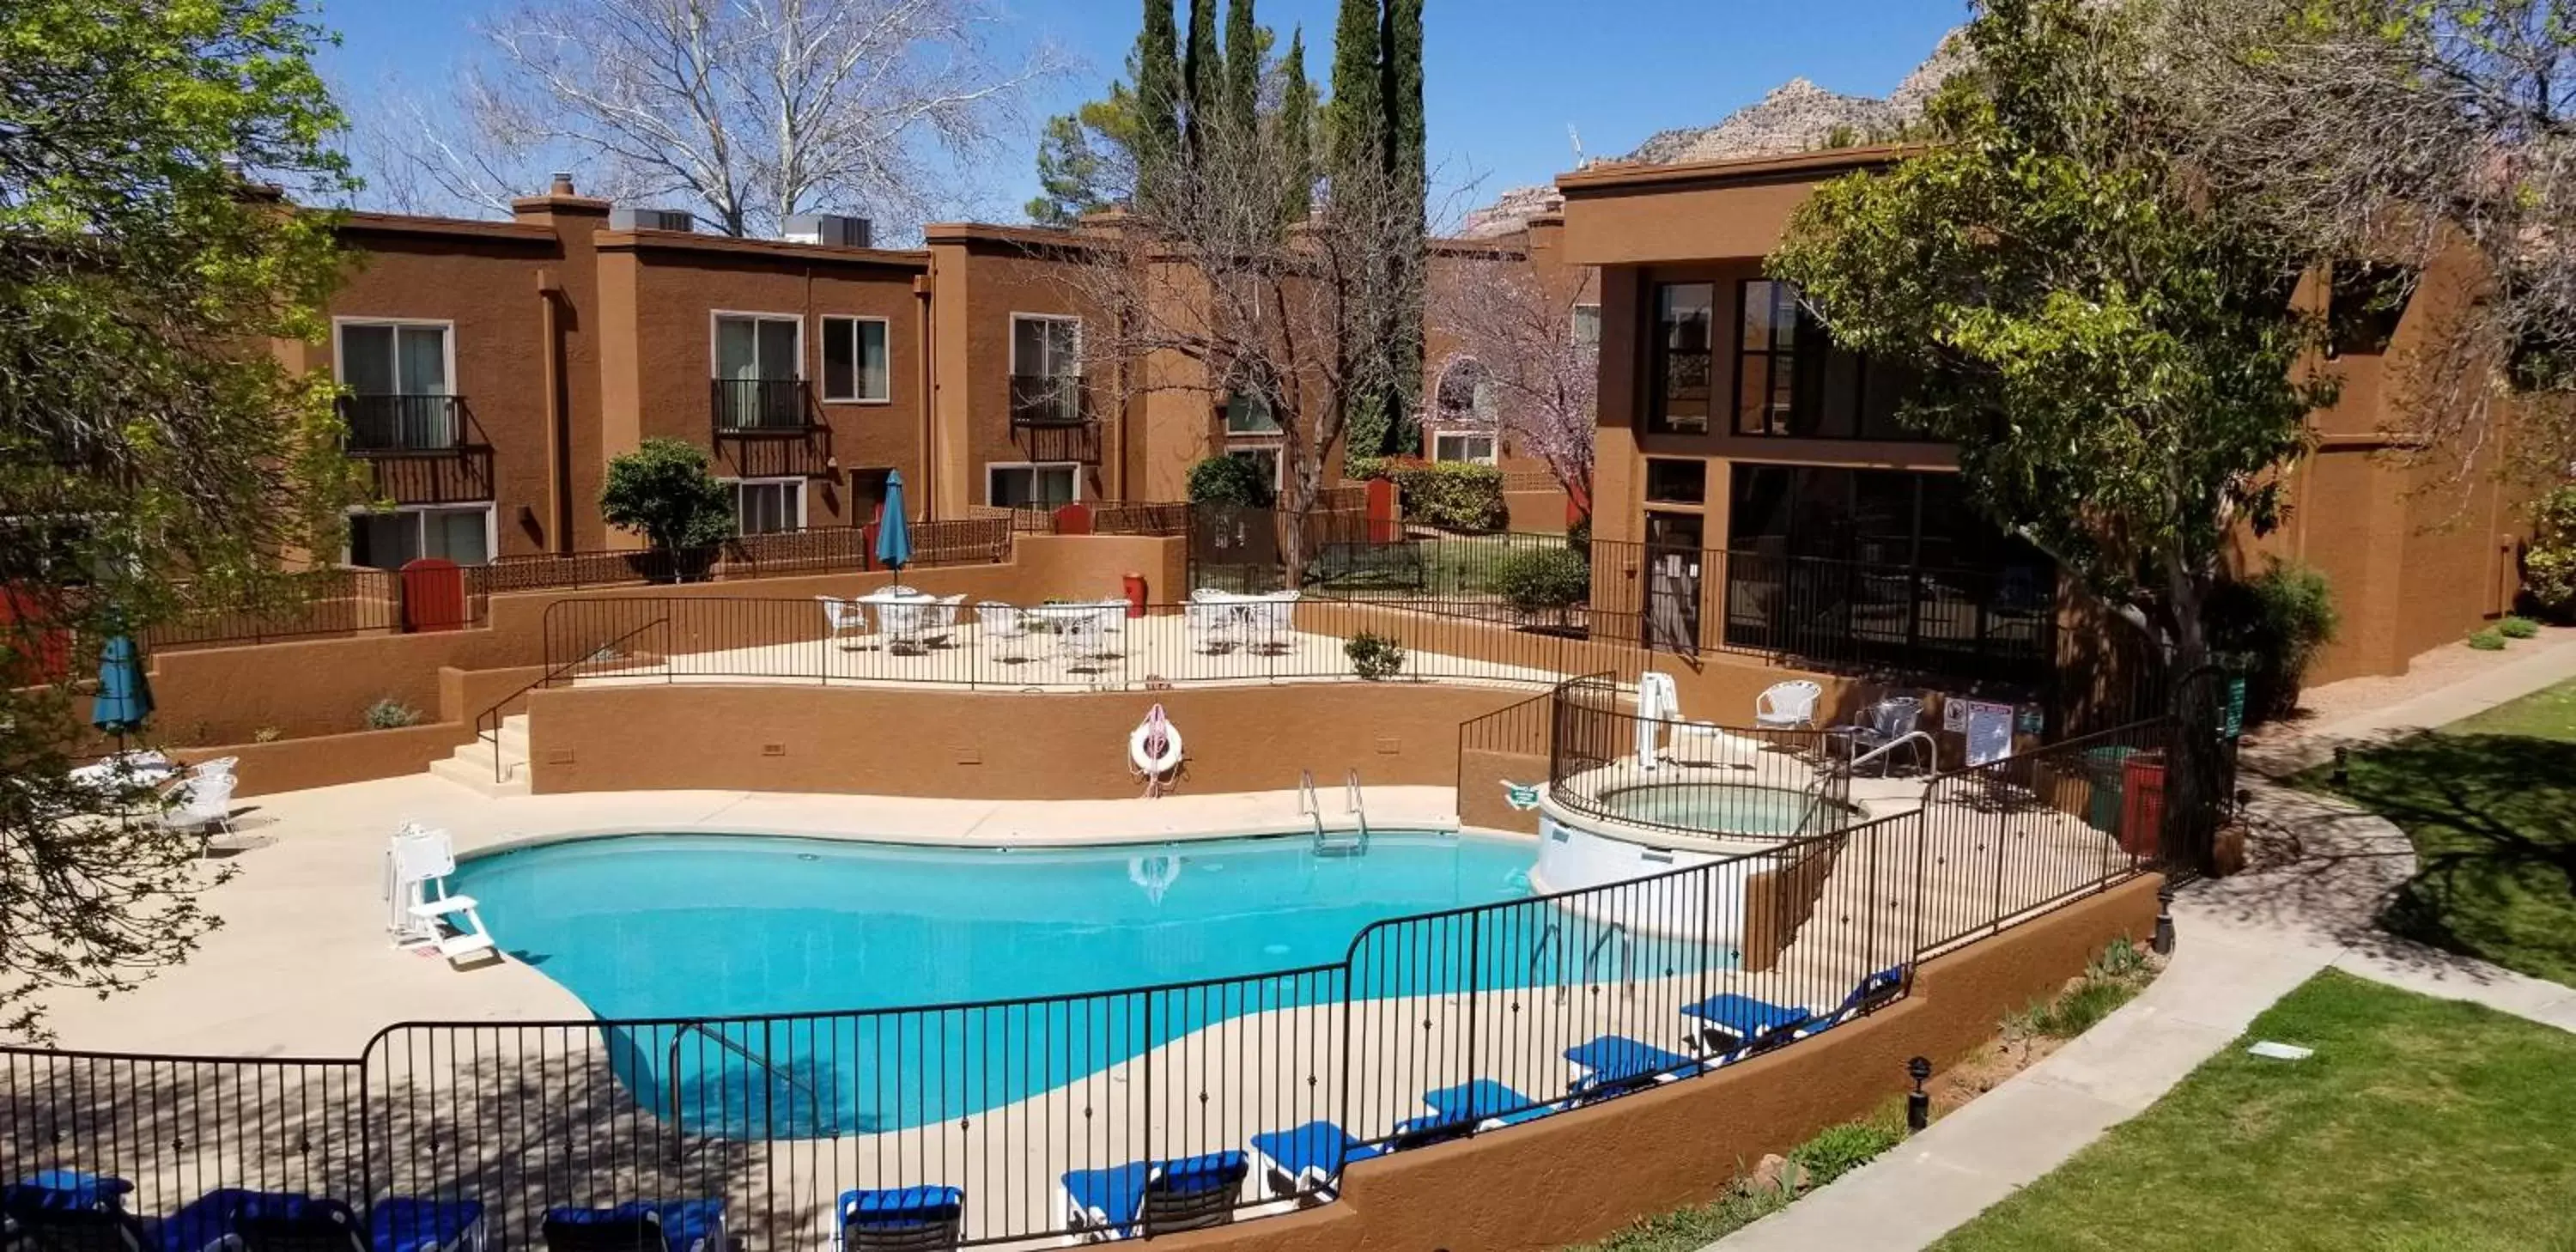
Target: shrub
(391,714)
(2549,564)
(2517,628)
(1841,1149)
(1546,578)
(1452,495)
(1374,656)
(2274,622)
(2487,641)
(662,491)
(1230,480)
(267,734)
(1360,469)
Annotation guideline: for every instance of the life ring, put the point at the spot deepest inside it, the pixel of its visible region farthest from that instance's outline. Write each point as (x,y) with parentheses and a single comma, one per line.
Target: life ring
(1139,747)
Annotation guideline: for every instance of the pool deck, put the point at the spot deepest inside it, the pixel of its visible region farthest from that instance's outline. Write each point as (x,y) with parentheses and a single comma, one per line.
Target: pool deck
(302,965)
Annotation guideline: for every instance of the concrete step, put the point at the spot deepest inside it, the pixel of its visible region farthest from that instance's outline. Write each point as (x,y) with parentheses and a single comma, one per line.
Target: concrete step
(514,740)
(476,776)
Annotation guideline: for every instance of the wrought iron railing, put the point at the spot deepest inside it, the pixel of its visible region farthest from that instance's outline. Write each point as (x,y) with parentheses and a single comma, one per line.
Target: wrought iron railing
(755,406)
(1041,401)
(385,425)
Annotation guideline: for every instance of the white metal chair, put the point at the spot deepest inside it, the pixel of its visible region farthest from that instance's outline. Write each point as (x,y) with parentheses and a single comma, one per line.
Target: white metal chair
(1885,723)
(1787,706)
(843,615)
(939,619)
(424,914)
(222,765)
(1269,621)
(1004,628)
(1213,627)
(201,803)
(905,624)
(1086,639)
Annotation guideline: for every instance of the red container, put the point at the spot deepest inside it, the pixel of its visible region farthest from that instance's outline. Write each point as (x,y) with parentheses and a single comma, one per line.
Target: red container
(1135,595)
(2142,804)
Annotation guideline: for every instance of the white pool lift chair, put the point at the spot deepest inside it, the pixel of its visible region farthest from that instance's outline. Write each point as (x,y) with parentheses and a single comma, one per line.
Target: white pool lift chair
(424,914)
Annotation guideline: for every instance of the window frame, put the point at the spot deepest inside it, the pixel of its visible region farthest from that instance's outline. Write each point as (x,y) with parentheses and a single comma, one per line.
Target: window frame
(803,500)
(1771,356)
(1493,445)
(824,385)
(1658,356)
(1574,324)
(447,345)
(715,343)
(1074,468)
(1018,317)
(491,527)
(1274,448)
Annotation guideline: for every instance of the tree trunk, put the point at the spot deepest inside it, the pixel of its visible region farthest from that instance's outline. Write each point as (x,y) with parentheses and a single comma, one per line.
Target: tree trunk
(2200,761)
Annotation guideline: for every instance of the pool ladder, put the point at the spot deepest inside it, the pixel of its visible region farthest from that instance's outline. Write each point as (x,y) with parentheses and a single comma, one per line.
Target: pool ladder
(1328,842)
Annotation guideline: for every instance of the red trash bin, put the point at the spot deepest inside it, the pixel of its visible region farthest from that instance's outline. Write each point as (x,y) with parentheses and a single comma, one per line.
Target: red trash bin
(2142,805)
(1135,595)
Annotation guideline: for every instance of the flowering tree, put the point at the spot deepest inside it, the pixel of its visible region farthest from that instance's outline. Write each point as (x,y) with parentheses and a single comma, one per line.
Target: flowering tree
(1519,365)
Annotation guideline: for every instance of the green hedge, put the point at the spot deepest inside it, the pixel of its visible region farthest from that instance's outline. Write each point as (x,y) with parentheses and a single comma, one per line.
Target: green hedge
(1540,579)
(2274,623)
(2549,564)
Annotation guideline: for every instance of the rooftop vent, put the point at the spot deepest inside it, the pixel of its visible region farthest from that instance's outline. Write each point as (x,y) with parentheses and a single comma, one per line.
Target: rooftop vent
(650,219)
(830,228)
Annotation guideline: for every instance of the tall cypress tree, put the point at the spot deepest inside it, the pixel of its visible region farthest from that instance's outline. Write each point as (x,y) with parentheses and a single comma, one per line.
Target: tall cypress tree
(1155,65)
(1296,135)
(1355,120)
(1242,65)
(1407,166)
(1202,70)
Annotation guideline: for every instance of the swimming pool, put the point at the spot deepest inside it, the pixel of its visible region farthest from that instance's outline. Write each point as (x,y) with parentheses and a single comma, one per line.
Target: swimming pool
(862,942)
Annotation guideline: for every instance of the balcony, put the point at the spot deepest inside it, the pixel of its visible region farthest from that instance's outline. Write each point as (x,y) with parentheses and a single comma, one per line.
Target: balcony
(762,406)
(1048,402)
(404,425)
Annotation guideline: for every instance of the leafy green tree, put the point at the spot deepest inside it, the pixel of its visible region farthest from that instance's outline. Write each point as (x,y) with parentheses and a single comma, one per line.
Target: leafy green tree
(1230,480)
(1202,72)
(1083,159)
(1407,165)
(1296,128)
(1247,49)
(1355,120)
(148,465)
(662,491)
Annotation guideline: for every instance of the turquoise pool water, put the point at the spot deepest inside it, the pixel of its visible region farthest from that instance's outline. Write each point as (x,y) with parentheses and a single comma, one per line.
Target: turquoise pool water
(856,946)
(1726,808)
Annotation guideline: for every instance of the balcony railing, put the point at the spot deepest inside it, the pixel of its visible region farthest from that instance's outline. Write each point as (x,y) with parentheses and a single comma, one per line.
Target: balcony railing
(761,406)
(394,425)
(1047,401)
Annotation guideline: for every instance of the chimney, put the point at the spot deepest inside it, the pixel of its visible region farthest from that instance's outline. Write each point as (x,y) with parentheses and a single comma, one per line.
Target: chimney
(562,184)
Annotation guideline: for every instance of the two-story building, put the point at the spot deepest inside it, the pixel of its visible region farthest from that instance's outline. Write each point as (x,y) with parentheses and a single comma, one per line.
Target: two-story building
(1775,502)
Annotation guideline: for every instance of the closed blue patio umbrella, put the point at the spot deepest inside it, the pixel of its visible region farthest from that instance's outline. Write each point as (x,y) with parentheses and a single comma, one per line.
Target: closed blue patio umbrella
(124,697)
(894,536)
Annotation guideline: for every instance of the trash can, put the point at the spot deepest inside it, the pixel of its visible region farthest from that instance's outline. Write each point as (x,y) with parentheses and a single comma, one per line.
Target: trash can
(1135,595)
(2105,768)
(2142,807)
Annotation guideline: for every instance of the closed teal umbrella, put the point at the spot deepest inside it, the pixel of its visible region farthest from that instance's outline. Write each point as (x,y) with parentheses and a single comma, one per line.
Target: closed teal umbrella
(894,536)
(124,697)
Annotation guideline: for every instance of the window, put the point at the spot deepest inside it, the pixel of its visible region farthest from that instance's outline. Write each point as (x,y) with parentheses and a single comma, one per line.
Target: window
(1046,347)
(1023,486)
(1766,376)
(388,540)
(398,377)
(1793,380)
(1474,446)
(766,506)
(755,348)
(1676,481)
(2364,305)
(1587,326)
(854,361)
(1684,315)
(1246,413)
(1264,457)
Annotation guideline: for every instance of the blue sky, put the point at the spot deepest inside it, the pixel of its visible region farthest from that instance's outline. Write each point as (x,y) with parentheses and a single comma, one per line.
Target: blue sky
(1505,78)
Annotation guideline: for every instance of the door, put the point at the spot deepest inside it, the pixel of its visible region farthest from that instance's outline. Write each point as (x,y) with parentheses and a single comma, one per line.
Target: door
(1673,564)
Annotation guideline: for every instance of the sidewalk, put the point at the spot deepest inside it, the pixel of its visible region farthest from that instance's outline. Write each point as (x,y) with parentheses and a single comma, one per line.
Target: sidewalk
(2241,944)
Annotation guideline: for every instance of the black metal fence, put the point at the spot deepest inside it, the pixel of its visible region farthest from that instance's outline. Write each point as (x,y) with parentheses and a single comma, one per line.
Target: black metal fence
(313,604)
(1072,1115)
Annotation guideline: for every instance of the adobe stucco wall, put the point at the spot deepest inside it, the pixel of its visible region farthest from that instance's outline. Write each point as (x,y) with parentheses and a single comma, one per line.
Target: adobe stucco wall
(989,745)
(1580,1175)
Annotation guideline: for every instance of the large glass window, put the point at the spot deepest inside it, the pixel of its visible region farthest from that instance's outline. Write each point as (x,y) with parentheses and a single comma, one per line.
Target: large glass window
(1674,481)
(1023,486)
(1791,379)
(1684,316)
(391,538)
(1475,447)
(397,376)
(1246,413)
(854,360)
(767,506)
(751,348)
(1046,347)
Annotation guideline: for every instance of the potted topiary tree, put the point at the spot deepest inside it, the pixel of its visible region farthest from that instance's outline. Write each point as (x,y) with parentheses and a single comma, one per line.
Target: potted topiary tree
(663,491)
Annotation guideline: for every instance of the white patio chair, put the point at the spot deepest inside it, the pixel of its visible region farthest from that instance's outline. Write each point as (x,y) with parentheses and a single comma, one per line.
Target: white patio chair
(1787,706)
(1270,620)
(905,624)
(220,765)
(1004,628)
(1213,627)
(202,803)
(939,619)
(843,616)
(1086,640)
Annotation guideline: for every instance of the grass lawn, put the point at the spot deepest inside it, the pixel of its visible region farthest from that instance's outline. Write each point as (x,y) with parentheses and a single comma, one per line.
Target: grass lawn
(2420,1125)
(2490,804)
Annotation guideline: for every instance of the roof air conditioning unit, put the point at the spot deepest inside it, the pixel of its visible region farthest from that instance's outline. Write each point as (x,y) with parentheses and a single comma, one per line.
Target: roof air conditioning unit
(831,229)
(650,219)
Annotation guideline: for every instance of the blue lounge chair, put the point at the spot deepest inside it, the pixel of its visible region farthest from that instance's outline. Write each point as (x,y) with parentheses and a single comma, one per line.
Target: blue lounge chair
(285,1221)
(71,1211)
(904,1219)
(1160,1197)
(1734,1026)
(1868,996)
(639,1226)
(1618,1064)
(1308,1158)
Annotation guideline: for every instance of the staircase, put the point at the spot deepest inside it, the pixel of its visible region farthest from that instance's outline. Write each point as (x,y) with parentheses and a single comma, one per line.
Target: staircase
(472,765)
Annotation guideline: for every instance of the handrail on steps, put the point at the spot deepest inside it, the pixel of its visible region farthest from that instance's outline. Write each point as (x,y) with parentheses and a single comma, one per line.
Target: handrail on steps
(493,714)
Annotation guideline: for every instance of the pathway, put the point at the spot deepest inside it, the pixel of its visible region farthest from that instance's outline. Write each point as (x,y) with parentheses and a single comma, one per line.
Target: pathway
(2323,871)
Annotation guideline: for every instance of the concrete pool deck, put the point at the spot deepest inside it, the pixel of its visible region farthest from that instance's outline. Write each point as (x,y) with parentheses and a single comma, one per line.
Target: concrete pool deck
(302,965)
